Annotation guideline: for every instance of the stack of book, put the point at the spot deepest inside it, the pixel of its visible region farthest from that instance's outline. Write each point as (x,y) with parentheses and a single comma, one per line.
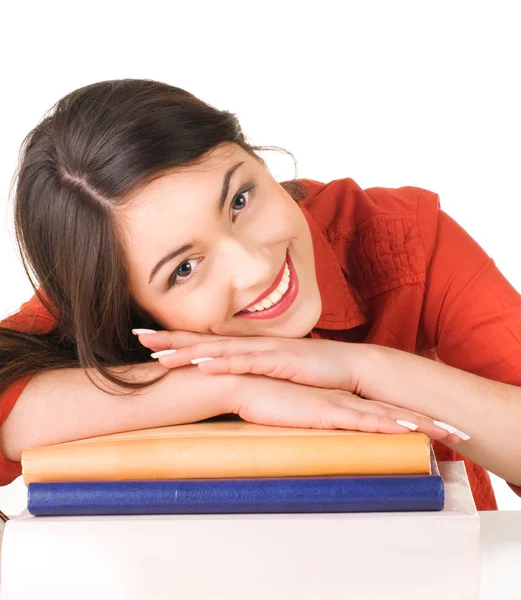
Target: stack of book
(303,556)
(318,514)
(226,465)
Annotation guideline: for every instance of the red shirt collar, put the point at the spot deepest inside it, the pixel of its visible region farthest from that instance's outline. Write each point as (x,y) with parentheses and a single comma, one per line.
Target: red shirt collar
(341,306)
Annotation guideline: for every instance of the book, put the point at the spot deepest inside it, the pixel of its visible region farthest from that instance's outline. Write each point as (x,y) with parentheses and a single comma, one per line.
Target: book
(391,555)
(224,449)
(363,493)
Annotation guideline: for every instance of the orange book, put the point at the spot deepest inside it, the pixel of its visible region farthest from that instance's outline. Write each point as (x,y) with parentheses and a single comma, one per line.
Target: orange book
(227,448)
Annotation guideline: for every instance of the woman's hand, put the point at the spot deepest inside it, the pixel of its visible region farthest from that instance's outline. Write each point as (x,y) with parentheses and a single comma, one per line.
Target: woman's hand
(318,363)
(327,381)
(282,403)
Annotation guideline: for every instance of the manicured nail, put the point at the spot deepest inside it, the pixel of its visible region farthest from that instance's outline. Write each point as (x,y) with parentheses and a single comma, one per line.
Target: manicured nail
(452,429)
(445,426)
(408,424)
(196,361)
(140,331)
(162,353)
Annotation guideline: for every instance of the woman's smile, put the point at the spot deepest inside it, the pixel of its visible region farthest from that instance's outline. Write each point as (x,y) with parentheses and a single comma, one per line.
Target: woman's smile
(278,298)
(243,257)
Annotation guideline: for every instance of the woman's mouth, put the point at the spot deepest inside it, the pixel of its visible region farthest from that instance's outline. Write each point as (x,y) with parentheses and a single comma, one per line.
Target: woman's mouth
(277,300)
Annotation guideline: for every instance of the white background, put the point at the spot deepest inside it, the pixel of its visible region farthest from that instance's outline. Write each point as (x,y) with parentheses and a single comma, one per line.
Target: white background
(389,93)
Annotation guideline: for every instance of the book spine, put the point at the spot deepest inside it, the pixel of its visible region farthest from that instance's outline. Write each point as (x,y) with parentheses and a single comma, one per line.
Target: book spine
(220,457)
(270,495)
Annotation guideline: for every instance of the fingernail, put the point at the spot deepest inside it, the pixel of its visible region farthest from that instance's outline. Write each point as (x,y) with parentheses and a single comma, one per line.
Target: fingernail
(408,424)
(452,429)
(196,361)
(162,353)
(140,331)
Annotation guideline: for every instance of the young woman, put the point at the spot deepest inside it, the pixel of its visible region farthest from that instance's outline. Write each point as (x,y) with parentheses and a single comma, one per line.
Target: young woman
(138,206)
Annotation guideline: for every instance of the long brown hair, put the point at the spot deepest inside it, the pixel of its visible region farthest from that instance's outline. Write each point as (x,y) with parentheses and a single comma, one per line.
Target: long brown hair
(96,147)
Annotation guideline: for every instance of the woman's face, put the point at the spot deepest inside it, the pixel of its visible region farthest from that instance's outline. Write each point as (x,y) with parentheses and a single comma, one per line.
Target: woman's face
(205,242)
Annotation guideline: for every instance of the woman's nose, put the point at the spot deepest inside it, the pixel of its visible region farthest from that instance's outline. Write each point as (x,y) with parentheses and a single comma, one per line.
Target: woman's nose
(254,273)
(251,268)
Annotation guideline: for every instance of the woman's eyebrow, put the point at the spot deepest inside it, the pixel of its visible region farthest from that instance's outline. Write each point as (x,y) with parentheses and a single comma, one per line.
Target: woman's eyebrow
(168,258)
(185,247)
(226,184)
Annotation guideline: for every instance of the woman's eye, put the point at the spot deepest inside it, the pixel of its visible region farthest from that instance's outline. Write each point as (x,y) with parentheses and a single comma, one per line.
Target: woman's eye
(183,271)
(241,201)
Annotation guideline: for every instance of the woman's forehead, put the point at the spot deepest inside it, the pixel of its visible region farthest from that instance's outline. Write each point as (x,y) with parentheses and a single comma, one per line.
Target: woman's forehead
(179,204)
(200,180)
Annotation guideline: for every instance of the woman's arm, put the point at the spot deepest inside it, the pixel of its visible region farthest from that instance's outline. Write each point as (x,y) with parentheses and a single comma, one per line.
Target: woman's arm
(63,404)
(472,320)
(488,411)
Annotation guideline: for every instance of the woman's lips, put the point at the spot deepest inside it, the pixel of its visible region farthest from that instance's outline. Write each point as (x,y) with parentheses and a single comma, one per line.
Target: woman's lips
(272,287)
(283,304)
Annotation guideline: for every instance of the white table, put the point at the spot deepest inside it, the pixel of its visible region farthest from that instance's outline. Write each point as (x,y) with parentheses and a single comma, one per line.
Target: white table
(500,555)
(500,550)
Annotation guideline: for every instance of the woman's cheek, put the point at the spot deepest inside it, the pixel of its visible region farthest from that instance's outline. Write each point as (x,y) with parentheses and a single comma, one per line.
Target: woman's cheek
(202,315)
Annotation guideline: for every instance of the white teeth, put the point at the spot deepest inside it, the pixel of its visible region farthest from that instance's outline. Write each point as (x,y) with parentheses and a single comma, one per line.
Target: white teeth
(283,288)
(275,296)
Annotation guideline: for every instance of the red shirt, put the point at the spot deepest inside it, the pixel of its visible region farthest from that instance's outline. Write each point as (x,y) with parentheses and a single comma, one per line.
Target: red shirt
(393,269)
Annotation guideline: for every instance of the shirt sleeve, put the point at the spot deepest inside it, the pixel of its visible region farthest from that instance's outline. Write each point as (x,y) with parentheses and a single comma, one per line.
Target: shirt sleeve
(10,470)
(472,314)
(31,318)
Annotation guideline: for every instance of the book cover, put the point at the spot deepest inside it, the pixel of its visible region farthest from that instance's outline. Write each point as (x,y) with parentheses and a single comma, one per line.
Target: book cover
(225,449)
(243,495)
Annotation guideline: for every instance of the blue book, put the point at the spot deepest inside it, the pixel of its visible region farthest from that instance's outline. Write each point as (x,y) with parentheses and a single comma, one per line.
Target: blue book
(362,493)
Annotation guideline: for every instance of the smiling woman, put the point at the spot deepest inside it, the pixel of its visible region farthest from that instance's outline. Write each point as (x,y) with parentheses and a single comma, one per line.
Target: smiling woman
(139,206)
(101,212)
(231,250)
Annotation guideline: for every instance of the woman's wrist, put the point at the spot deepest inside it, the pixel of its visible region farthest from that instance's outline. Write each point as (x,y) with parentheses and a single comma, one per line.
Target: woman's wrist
(362,364)
(384,373)
(227,390)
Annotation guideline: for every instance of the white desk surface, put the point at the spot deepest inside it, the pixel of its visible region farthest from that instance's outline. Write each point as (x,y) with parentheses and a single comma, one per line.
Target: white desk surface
(500,555)
(500,551)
